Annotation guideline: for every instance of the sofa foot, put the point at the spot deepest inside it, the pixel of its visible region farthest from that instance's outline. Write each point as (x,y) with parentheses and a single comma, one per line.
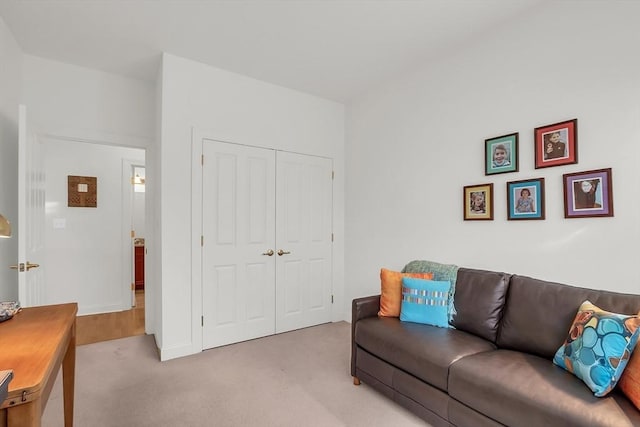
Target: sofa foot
(356,381)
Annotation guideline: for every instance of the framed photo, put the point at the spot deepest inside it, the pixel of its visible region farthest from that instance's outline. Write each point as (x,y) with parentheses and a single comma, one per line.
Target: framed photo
(556,144)
(501,154)
(588,194)
(478,202)
(525,199)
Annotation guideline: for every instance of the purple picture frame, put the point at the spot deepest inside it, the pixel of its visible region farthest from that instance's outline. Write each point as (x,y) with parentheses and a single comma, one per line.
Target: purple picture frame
(588,194)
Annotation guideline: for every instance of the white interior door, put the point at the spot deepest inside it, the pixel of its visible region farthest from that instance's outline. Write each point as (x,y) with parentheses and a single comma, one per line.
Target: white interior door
(304,241)
(31,198)
(238,229)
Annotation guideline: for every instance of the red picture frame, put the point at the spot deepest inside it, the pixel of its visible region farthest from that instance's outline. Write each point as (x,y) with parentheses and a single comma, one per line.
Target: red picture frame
(556,144)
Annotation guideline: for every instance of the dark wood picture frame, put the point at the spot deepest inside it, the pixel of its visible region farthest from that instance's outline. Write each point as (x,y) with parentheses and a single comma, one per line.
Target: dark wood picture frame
(588,194)
(501,154)
(478,202)
(556,144)
(522,206)
(82,191)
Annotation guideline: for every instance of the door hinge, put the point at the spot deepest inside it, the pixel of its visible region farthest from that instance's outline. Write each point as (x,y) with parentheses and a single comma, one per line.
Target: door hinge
(202,321)
(332,237)
(202,159)
(333,174)
(331,299)
(133,234)
(201,240)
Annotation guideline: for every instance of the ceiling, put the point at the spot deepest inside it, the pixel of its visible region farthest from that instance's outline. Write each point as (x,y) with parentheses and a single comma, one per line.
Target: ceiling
(334,49)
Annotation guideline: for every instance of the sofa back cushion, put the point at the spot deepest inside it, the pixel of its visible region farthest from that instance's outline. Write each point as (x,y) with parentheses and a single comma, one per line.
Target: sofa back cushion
(479,300)
(538,313)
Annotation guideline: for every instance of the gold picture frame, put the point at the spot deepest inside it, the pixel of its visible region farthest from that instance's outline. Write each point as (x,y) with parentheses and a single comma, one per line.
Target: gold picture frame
(478,202)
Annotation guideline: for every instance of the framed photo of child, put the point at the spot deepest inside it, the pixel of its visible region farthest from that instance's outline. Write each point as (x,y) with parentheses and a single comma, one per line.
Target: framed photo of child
(501,154)
(525,199)
(588,194)
(478,202)
(556,144)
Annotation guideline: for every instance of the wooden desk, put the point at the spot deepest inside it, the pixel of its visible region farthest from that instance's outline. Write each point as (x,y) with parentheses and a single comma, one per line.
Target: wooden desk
(34,344)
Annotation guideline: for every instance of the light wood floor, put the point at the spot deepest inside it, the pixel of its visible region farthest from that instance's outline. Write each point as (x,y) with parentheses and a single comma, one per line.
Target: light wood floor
(108,326)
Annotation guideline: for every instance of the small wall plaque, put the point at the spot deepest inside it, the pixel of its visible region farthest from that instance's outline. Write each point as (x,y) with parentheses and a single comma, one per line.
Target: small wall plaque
(82,191)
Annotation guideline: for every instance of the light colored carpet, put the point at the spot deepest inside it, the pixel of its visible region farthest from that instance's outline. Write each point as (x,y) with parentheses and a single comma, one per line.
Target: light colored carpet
(299,378)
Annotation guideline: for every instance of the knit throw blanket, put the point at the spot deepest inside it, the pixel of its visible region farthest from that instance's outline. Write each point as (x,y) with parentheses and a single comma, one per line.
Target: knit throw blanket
(440,272)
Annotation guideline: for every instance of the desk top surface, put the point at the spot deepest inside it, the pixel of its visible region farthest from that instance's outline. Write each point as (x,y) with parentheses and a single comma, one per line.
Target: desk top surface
(33,343)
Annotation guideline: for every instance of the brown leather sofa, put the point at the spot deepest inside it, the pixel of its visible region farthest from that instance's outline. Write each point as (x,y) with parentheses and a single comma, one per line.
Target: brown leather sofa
(495,368)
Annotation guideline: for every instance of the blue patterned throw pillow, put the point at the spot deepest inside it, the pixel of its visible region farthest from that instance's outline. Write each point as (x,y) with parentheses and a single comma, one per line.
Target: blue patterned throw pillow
(425,301)
(598,347)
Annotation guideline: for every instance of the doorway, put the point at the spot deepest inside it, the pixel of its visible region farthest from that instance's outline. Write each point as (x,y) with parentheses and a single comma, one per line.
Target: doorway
(88,253)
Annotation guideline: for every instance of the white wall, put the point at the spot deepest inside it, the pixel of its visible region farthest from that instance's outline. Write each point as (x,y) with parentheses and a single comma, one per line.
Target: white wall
(73,101)
(236,109)
(10,82)
(83,254)
(413,145)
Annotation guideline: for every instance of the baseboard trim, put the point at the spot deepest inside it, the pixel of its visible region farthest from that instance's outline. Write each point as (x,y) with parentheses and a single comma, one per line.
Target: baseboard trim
(177,351)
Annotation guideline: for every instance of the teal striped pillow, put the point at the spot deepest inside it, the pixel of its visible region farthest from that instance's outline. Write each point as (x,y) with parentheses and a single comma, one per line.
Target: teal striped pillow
(425,301)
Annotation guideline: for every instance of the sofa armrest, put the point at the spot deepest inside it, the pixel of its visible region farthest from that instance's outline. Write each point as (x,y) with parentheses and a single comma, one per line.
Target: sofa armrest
(361,308)
(364,307)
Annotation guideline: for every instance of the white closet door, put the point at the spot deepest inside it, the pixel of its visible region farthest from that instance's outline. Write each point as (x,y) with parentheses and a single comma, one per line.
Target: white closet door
(238,219)
(304,241)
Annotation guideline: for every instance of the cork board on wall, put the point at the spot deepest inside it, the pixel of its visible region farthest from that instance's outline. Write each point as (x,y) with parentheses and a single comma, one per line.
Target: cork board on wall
(82,191)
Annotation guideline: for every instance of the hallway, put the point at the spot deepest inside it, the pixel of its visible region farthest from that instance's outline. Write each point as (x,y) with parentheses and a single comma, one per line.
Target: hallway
(108,326)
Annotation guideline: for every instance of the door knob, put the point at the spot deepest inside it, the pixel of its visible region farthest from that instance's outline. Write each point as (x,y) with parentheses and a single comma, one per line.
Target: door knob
(268,253)
(281,252)
(21,267)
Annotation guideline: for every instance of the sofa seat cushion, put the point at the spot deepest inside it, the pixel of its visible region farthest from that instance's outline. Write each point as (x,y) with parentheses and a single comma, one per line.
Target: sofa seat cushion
(424,351)
(519,389)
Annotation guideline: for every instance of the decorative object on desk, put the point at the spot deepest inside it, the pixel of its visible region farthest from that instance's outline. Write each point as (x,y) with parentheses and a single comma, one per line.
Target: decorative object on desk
(478,202)
(525,199)
(588,194)
(501,154)
(5,227)
(5,378)
(8,309)
(82,191)
(556,144)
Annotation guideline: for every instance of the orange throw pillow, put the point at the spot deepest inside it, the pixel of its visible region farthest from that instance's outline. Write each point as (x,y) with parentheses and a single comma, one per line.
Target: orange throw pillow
(391,290)
(630,381)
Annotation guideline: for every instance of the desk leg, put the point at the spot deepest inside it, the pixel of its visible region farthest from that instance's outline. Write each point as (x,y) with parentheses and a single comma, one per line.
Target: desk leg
(69,378)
